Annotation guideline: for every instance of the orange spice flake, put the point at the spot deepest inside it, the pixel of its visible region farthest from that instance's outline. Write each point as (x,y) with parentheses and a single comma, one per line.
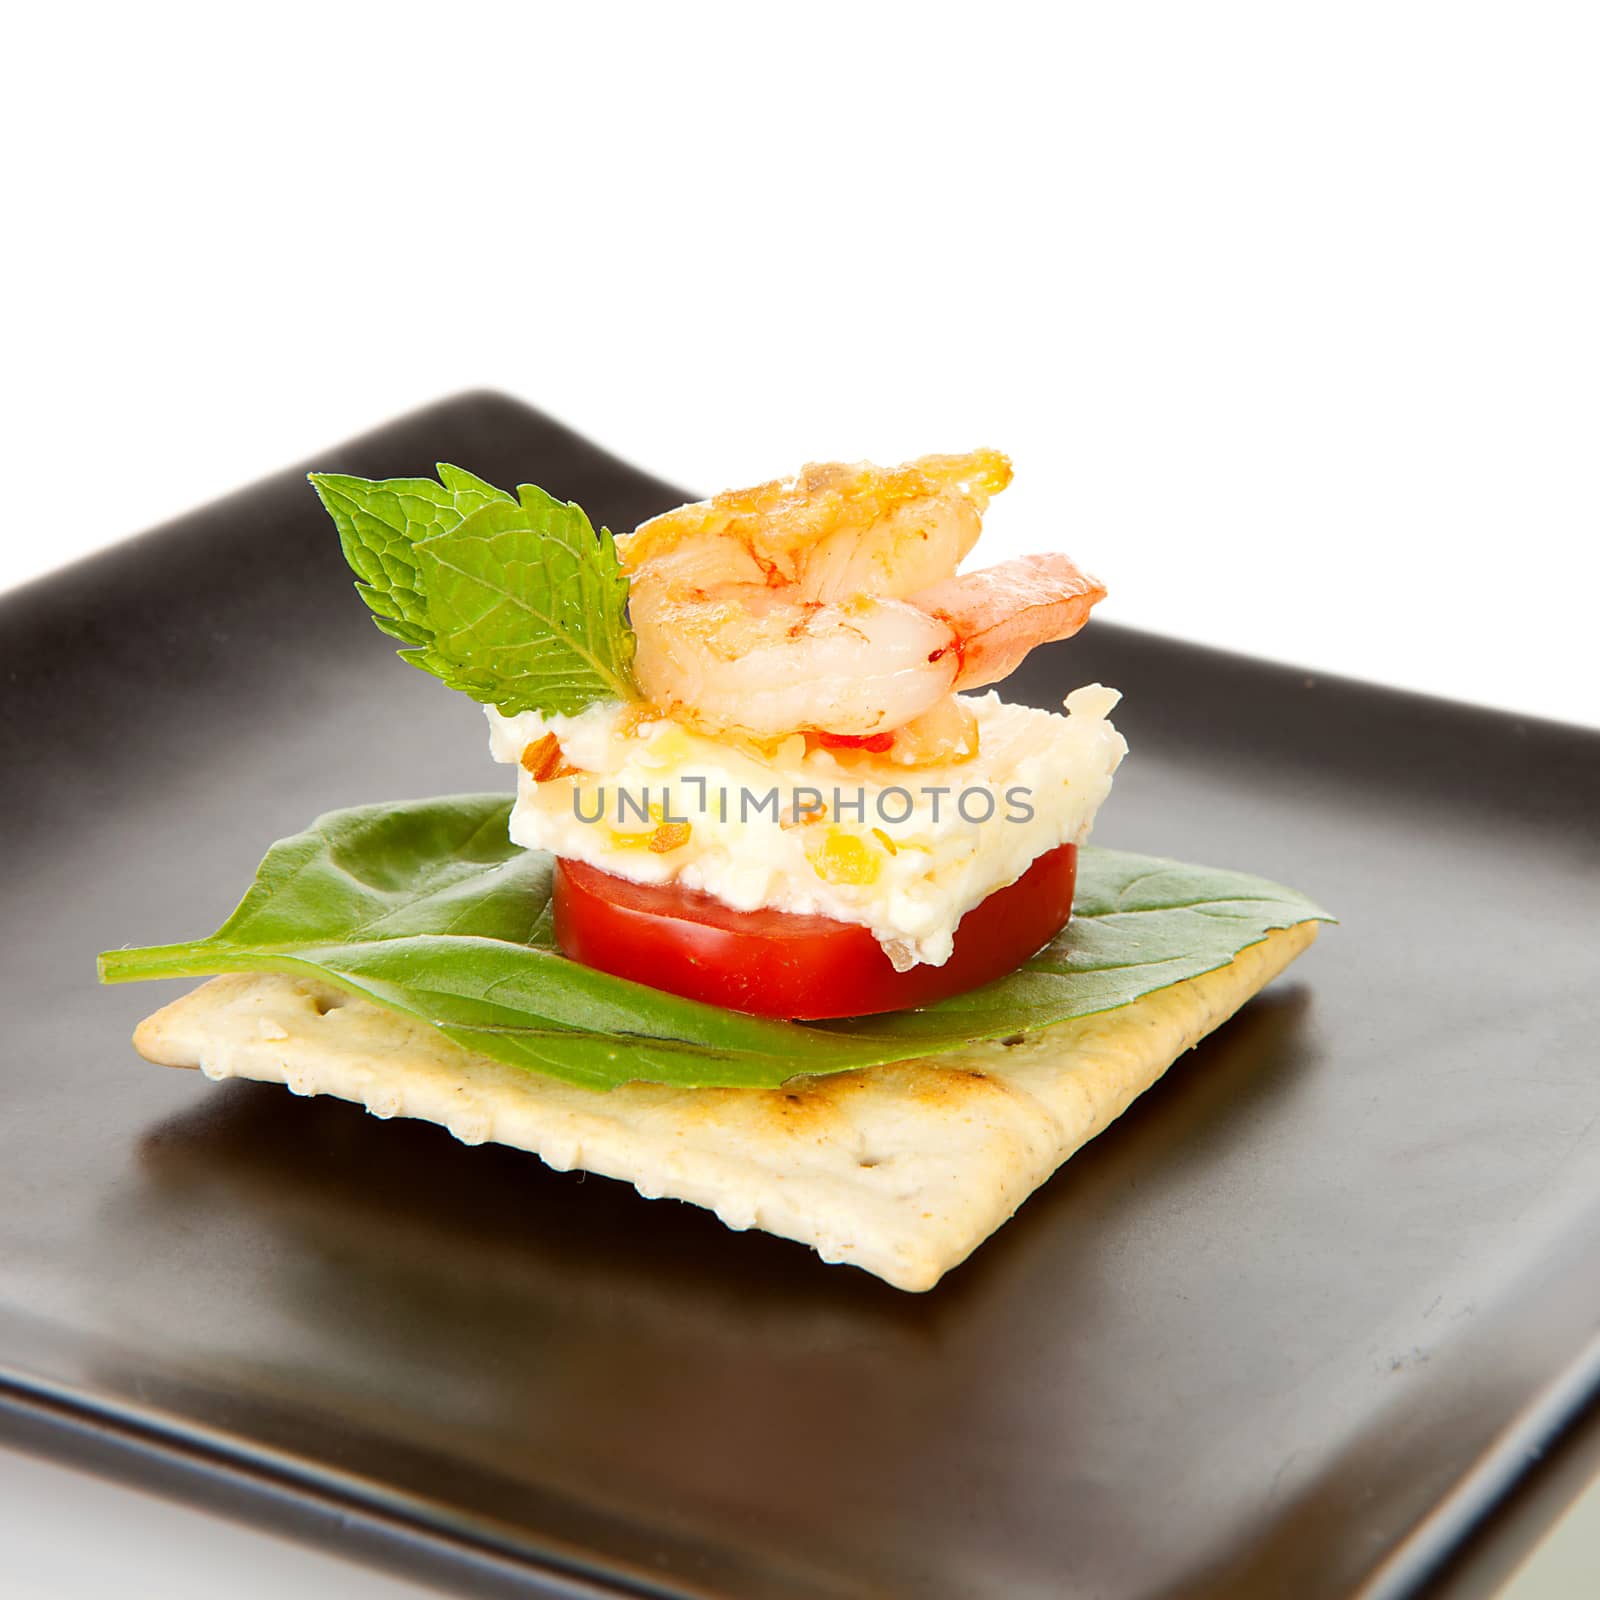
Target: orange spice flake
(669,836)
(875,744)
(543,760)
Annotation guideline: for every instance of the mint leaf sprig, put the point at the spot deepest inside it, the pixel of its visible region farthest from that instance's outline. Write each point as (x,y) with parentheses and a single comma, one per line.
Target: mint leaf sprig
(514,600)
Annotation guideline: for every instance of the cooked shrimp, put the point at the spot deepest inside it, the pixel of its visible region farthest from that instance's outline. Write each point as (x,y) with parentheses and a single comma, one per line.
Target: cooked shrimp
(998,614)
(839,530)
(766,665)
(804,604)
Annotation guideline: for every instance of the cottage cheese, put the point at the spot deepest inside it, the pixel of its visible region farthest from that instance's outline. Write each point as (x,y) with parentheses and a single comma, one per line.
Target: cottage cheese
(905,852)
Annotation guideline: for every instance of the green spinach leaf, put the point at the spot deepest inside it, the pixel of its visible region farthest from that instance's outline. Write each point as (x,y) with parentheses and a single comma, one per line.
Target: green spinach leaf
(429,908)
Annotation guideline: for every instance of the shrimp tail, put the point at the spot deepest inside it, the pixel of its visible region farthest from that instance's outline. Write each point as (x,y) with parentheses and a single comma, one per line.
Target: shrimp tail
(1000,613)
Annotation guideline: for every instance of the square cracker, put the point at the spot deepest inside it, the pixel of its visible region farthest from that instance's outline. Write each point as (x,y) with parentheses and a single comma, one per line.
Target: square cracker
(902,1170)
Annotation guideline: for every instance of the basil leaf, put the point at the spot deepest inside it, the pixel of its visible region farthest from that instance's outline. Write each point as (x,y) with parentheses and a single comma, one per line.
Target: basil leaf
(517,602)
(1138,923)
(428,907)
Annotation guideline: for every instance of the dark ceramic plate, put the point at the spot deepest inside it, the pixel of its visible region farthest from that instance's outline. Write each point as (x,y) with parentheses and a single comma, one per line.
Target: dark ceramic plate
(1290,1328)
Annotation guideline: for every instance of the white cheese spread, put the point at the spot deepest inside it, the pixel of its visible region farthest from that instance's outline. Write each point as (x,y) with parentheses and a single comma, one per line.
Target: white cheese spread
(904,851)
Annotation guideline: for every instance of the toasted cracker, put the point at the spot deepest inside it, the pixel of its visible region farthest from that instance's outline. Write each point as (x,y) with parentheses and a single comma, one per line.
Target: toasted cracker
(902,1170)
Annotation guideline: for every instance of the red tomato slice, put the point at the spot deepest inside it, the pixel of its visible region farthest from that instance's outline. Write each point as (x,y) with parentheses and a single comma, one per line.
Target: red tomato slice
(779,965)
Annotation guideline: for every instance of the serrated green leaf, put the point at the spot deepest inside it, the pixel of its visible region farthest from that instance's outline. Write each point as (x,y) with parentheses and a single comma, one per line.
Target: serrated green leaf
(428,908)
(517,602)
(529,606)
(379,521)
(463,483)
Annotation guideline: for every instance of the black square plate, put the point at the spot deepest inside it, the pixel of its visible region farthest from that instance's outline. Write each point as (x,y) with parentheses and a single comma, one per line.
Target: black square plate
(1289,1328)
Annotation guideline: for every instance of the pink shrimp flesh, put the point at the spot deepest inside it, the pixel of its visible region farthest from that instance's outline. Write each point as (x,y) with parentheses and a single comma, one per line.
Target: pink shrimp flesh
(998,614)
(829,602)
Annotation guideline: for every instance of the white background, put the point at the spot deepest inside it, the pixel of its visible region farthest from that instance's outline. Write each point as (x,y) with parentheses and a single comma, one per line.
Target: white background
(1287,314)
